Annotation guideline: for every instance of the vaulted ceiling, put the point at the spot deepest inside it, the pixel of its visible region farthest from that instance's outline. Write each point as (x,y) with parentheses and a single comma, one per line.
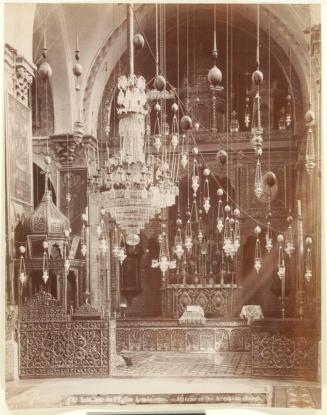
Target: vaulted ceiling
(101,30)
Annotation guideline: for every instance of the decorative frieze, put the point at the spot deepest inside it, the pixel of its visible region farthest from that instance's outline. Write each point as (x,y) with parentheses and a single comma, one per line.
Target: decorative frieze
(195,339)
(19,75)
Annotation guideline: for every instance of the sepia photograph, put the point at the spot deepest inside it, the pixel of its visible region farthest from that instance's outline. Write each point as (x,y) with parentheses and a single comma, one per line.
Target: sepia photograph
(162,199)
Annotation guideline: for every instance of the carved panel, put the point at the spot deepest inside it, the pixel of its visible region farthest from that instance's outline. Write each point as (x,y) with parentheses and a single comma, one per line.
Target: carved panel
(178,342)
(236,340)
(214,301)
(135,340)
(122,340)
(222,338)
(42,307)
(207,340)
(279,354)
(63,348)
(183,339)
(149,340)
(192,340)
(163,340)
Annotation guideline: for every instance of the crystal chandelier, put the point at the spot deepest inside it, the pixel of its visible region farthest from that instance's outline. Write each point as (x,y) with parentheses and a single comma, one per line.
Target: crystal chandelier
(134,184)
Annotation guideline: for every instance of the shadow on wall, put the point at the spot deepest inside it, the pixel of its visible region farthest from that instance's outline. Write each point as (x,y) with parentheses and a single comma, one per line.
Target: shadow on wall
(148,302)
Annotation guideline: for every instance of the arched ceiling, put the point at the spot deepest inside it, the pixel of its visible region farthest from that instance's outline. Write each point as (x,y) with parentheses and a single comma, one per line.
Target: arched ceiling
(102,38)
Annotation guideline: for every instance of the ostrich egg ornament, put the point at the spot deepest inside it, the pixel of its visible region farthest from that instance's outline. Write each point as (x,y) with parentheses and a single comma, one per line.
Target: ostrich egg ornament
(186,123)
(222,156)
(257,77)
(77,69)
(160,83)
(214,76)
(138,41)
(271,179)
(45,71)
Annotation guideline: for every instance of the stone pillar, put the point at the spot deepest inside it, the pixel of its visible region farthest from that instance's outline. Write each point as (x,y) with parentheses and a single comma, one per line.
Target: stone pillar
(11,344)
(18,76)
(113,357)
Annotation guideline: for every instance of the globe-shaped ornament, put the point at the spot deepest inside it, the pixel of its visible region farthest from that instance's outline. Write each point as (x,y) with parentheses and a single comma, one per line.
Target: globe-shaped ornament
(257,77)
(214,76)
(138,41)
(45,71)
(222,156)
(77,70)
(159,83)
(186,123)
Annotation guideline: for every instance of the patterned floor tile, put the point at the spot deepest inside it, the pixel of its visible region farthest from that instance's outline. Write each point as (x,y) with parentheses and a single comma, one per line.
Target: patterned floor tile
(187,364)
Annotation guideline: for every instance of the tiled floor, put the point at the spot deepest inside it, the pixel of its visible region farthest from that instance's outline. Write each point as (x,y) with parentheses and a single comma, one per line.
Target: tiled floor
(186,364)
(160,378)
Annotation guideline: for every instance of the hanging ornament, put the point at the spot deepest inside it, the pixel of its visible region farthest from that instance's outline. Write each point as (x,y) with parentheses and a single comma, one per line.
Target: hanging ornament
(179,250)
(269,235)
(281,261)
(290,248)
(186,123)
(237,231)
(206,199)
(270,178)
(157,108)
(159,83)
(308,260)
(234,126)
(288,117)
(220,214)
(188,236)
(310,153)
(68,197)
(163,263)
(184,160)
(83,249)
(214,76)
(174,141)
(195,176)
(22,269)
(282,119)
(247,113)
(103,245)
(257,255)
(174,108)
(227,242)
(83,234)
(257,77)
(222,156)
(45,274)
(258,184)
(138,41)
(157,142)
(44,71)
(309,117)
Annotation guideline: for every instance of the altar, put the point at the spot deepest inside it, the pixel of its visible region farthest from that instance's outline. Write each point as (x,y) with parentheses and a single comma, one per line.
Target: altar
(217,300)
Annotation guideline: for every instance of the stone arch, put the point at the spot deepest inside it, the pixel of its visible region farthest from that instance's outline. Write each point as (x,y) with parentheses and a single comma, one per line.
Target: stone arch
(281,39)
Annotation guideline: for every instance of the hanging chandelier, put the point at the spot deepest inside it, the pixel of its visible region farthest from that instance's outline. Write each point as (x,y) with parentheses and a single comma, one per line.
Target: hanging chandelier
(134,184)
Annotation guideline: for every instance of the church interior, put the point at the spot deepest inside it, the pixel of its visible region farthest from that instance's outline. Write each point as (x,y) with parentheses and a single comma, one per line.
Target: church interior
(163,204)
